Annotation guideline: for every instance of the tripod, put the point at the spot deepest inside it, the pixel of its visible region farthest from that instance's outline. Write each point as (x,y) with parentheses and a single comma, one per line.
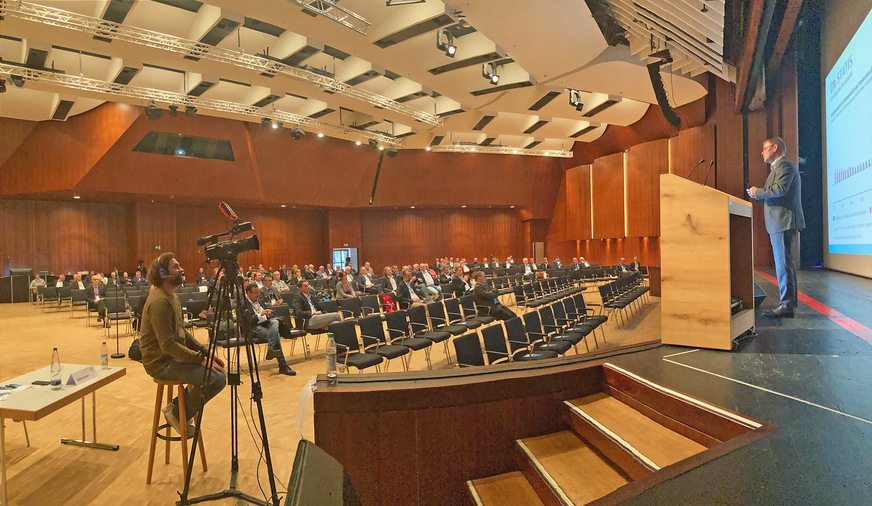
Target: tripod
(231,284)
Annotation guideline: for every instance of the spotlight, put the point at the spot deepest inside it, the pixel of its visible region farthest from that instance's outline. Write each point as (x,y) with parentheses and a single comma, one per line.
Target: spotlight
(357,143)
(445,42)
(489,72)
(180,152)
(264,122)
(320,134)
(2,86)
(392,152)
(16,81)
(76,197)
(381,148)
(173,110)
(373,143)
(297,133)
(153,112)
(575,100)
(427,148)
(190,110)
(278,125)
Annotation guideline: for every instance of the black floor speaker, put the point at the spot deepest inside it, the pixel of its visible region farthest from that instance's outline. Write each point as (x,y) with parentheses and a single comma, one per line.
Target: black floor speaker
(759,295)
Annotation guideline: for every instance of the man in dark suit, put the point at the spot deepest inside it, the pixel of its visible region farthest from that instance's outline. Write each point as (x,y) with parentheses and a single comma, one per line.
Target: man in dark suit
(265,325)
(460,282)
(365,282)
(487,296)
(557,262)
(390,284)
(407,291)
(96,292)
(268,296)
(138,279)
(77,283)
(574,266)
(529,269)
(635,265)
(544,265)
(307,307)
(782,211)
(61,282)
(309,272)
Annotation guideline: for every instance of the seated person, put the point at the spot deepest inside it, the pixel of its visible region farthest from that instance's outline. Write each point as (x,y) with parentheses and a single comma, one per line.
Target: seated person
(460,282)
(445,275)
(307,307)
(169,351)
(544,265)
(278,284)
(321,273)
(37,282)
(346,286)
(265,326)
(296,277)
(309,272)
(557,262)
(269,296)
(634,265)
(202,279)
(488,297)
(138,279)
(77,283)
(364,281)
(96,294)
(61,282)
(407,291)
(529,269)
(425,280)
(390,283)
(584,263)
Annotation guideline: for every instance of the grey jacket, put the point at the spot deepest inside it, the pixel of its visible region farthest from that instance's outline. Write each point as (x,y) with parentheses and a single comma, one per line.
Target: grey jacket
(781,197)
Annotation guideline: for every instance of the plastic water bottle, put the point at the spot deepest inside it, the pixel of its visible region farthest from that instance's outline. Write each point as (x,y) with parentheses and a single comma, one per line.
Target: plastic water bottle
(104,356)
(331,358)
(55,378)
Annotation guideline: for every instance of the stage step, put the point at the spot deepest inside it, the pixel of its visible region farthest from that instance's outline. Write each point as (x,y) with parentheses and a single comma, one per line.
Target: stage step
(563,465)
(506,489)
(649,442)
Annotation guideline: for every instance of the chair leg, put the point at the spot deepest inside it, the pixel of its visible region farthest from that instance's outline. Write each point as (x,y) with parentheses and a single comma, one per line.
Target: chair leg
(427,357)
(183,425)
(169,433)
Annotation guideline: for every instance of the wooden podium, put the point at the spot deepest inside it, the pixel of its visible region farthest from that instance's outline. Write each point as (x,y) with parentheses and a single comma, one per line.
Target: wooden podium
(706,257)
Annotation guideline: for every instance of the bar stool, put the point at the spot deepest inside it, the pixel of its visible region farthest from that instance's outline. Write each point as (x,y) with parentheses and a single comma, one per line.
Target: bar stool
(168,437)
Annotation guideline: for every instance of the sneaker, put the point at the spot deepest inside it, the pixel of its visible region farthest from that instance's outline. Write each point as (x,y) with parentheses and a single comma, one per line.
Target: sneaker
(171,419)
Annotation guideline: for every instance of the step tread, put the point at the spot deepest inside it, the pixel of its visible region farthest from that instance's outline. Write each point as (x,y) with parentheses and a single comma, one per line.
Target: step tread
(660,444)
(509,488)
(577,469)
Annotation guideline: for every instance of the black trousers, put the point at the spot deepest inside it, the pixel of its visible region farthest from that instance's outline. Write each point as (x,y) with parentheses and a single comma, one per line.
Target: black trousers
(501,312)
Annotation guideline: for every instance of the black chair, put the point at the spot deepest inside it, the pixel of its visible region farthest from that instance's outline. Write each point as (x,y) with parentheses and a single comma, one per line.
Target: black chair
(372,332)
(348,348)
(78,298)
(117,312)
(470,311)
(398,330)
(519,342)
(495,345)
(50,294)
(436,311)
(539,338)
(371,304)
(575,308)
(455,315)
(554,316)
(350,309)
(468,350)
(64,295)
(421,328)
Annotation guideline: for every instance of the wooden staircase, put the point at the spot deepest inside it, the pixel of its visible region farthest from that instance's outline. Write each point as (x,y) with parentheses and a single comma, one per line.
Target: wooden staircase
(609,445)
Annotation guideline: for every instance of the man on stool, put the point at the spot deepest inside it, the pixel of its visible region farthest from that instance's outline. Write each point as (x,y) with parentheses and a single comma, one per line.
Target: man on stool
(169,351)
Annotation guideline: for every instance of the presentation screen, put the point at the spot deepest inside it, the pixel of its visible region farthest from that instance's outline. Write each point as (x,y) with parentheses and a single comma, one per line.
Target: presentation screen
(848,106)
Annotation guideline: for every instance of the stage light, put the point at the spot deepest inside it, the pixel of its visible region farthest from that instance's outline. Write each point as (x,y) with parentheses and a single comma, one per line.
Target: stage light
(2,86)
(16,81)
(392,152)
(297,133)
(358,143)
(489,72)
(445,42)
(278,125)
(427,148)
(472,149)
(76,197)
(153,112)
(373,143)
(180,152)
(320,134)
(381,148)
(190,110)
(264,122)
(284,205)
(173,110)
(575,100)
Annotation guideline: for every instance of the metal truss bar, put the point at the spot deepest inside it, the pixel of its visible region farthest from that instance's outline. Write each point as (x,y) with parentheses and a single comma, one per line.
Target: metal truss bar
(502,150)
(140,36)
(169,97)
(332,10)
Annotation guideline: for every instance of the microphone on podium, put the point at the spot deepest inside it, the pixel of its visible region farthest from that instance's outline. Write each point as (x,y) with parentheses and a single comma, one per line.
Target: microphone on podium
(709,171)
(700,162)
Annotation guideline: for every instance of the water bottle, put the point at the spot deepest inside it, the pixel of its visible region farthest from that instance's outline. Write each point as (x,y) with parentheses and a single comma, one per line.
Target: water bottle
(104,356)
(55,379)
(331,358)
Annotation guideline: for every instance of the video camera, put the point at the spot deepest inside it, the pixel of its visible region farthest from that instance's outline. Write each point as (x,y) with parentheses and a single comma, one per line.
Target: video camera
(230,249)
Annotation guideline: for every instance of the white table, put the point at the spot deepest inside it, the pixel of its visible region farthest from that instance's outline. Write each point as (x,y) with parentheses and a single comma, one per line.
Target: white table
(37,402)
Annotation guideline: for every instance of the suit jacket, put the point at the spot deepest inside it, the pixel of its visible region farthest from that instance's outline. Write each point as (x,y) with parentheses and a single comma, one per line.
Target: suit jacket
(404,297)
(101,289)
(265,297)
(307,274)
(341,292)
(75,285)
(557,264)
(444,278)
(543,266)
(634,266)
(485,295)
(575,266)
(781,197)
(386,284)
(301,306)
(458,286)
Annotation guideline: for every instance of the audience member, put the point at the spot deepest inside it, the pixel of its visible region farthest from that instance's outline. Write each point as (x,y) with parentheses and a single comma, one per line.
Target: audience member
(557,262)
(138,279)
(544,265)
(460,282)
(96,293)
(529,269)
(77,283)
(425,280)
(407,294)
(367,269)
(308,308)
(634,265)
(308,272)
(201,276)
(321,273)
(61,282)
(584,263)
(268,295)
(488,297)
(295,278)
(278,283)
(365,282)
(265,326)
(37,282)
(346,285)
(389,283)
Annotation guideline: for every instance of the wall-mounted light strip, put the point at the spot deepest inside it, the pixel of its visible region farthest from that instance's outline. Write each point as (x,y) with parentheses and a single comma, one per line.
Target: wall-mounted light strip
(501,150)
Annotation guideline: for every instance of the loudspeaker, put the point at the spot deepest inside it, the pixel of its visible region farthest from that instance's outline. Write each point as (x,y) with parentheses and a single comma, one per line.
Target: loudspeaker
(318,478)
(759,295)
(660,94)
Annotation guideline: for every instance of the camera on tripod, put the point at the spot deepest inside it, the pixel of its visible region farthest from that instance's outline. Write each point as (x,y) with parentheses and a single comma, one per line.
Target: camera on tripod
(229,250)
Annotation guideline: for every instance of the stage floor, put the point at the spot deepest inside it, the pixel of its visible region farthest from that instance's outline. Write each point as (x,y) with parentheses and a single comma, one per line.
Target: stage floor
(807,376)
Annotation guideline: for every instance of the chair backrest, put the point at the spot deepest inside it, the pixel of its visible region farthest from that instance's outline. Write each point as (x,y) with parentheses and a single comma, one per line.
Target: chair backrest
(398,324)
(282,310)
(372,326)
(446,290)
(559,312)
(78,295)
(569,306)
(495,344)
(533,324)
(519,294)
(467,303)
(330,306)
(546,316)
(352,306)
(516,334)
(468,350)
(114,308)
(370,302)
(418,318)
(344,334)
(453,311)
(64,292)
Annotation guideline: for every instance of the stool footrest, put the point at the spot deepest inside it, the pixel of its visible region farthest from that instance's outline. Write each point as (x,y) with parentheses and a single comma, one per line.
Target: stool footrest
(169,438)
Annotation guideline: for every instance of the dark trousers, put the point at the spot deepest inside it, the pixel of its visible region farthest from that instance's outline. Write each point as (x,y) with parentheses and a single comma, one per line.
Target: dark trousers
(501,312)
(785,267)
(271,329)
(191,374)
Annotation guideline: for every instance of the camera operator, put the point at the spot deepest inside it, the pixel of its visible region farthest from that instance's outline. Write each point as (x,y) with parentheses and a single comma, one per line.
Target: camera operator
(169,351)
(265,325)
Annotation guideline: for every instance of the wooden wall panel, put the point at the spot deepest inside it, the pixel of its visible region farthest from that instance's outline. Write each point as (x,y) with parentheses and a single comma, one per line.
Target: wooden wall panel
(57,154)
(578,203)
(730,139)
(608,196)
(558,228)
(12,133)
(397,237)
(688,148)
(645,163)
(344,228)
(154,227)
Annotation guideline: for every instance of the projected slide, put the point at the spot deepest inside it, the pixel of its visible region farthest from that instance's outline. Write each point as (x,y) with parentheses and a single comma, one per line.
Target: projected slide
(849,146)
